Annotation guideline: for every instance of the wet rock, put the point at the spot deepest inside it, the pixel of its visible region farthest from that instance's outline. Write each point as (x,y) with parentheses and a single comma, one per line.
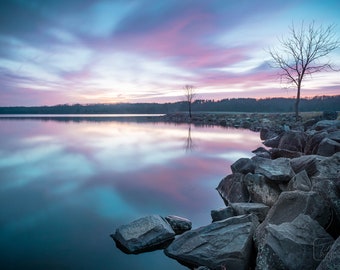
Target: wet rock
(179,224)
(222,213)
(144,234)
(261,190)
(300,181)
(232,189)
(299,244)
(328,147)
(332,258)
(289,205)
(293,141)
(276,170)
(258,209)
(226,243)
(243,165)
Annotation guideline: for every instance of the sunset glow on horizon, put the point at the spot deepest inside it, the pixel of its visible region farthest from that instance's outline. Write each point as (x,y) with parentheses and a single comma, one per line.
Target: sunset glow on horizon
(58,52)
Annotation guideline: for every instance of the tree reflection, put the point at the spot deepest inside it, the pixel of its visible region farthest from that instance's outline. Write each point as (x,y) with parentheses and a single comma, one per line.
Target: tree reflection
(189,146)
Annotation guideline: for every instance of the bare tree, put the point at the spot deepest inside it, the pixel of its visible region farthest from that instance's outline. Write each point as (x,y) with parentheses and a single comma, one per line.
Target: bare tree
(189,94)
(300,54)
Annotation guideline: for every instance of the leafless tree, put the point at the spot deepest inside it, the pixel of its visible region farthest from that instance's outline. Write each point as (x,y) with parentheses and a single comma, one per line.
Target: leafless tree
(300,54)
(189,94)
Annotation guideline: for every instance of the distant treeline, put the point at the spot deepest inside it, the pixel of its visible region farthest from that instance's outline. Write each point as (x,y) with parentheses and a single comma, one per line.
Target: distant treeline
(318,103)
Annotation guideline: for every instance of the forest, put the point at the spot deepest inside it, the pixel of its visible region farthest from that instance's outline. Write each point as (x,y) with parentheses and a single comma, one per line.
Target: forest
(318,103)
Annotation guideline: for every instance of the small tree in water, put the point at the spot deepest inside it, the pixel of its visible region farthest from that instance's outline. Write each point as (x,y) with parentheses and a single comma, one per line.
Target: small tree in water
(300,54)
(189,94)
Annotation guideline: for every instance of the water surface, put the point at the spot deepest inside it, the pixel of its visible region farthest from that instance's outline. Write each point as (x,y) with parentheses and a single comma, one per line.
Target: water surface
(65,186)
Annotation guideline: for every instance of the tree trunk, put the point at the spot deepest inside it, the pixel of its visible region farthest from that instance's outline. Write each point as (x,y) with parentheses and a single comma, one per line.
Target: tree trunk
(189,103)
(297,102)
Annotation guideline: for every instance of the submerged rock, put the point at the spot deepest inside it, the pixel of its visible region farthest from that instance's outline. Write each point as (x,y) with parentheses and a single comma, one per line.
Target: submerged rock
(145,234)
(227,243)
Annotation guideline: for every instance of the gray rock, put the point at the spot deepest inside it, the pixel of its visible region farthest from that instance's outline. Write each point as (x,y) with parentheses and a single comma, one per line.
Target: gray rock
(293,141)
(272,142)
(179,224)
(324,124)
(312,142)
(276,170)
(243,165)
(327,168)
(267,133)
(332,259)
(261,190)
(299,244)
(262,152)
(289,205)
(232,189)
(335,136)
(300,181)
(221,214)
(258,209)
(328,147)
(283,153)
(307,163)
(226,243)
(144,234)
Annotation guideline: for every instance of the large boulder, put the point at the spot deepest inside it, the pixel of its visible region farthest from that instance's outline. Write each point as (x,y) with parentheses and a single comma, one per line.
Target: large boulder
(144,234)
(232,189)
(227,243)
(328,147)
(272,142)
(258,209)
(306,163)
(293,140)
(313,140)
(289,205)
(277,170)
(222,213)
(328,168)
(332,259)
(261,189)
(299,244)
(300,181)
(243,165)
(283,153)
(179,224)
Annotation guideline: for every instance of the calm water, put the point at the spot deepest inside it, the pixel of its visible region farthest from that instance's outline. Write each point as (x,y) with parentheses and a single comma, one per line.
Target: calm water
(65,186)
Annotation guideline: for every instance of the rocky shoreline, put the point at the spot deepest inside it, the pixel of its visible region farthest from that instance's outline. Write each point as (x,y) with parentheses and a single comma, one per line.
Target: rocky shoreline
(282,205)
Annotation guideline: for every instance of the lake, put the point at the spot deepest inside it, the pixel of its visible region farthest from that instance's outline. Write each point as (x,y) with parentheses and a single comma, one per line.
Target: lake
(66,184)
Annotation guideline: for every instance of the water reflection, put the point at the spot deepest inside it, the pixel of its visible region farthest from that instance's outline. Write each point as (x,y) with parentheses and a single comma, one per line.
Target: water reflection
(64,187)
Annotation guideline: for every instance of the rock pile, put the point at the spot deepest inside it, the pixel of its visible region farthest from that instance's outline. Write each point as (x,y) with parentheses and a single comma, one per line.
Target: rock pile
(282,210)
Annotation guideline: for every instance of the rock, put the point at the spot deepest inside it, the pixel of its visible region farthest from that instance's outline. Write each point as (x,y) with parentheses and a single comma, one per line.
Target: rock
(226,243)
(144,234)
(266,133)
(335,136)
(328,168)
(262,152)
(328,147)
(258,209)
(325,124)
(307,163)
(330,193)
(289,205)
(221,214)
(284,153)
(329,115)
(299,244)
(293,141)
(261,190)
(300,181)
(332,258)
(313,141)
(232,189)
(272,142)
(243,165)
(179,224)
(276,170)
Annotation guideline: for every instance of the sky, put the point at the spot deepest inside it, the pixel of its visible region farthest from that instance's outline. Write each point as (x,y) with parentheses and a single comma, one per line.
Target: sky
(86,51)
